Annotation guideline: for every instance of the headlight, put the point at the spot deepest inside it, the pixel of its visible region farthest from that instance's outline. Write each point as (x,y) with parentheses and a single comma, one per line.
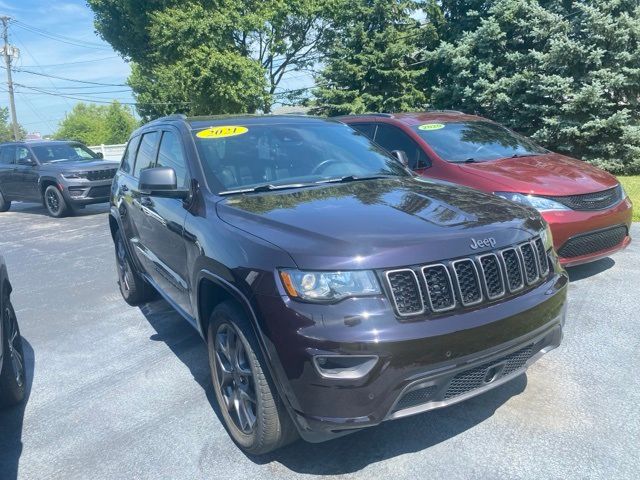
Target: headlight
(539,203)
(74,175)
(329,286)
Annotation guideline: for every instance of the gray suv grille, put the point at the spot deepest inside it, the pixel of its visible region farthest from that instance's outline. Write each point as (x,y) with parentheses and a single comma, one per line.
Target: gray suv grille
(465,282)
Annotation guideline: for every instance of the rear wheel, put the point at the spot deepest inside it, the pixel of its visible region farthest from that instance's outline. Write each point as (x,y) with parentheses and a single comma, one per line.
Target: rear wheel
(133,287)
(5,204)
(253,413)
(55,203)
(12,375)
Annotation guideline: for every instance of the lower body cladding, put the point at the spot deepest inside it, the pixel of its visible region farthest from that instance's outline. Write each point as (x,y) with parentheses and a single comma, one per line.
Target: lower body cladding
(338,375)
(79,194)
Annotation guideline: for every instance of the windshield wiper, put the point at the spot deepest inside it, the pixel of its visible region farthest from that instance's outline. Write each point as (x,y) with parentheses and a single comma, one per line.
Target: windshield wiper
(522,155)
(354,178)
(467,160)
(266,188)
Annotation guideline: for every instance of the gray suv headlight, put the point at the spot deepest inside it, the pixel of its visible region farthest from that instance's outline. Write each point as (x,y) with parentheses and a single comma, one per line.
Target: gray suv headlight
(74,175)
(317,286)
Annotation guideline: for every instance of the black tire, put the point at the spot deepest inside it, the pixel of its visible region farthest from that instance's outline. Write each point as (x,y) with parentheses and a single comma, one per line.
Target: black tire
(247,380)
(134,288)
(54,202)
(5,204)
(12,375)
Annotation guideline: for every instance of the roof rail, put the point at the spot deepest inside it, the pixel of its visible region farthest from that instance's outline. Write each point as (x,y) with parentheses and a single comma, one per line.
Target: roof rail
(445,111)
(173,116)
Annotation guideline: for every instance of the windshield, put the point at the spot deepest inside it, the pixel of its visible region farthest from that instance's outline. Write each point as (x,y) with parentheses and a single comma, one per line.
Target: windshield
(61,152)
(237,157)
(476,141)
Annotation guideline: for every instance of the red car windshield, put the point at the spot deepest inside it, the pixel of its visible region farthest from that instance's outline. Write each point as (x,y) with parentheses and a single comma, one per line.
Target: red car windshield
(476,141)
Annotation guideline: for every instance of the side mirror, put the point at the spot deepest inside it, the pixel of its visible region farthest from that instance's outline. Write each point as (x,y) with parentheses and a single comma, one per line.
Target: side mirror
(100,155)
(160,182)
(401,156)
(27,161)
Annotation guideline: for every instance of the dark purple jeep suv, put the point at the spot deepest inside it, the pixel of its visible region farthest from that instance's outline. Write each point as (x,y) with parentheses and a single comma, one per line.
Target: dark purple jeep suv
(334,288)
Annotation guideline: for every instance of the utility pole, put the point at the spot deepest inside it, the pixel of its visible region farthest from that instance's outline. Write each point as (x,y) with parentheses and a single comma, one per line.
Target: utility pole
(8,51)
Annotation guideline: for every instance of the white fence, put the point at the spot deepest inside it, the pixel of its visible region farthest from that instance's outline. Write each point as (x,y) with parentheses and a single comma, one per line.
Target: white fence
(110,152)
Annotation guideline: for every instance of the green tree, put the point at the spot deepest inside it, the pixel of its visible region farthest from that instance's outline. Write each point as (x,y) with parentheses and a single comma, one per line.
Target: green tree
(94,124)
(220,56)
(370,58)
(6,127)
(119,123)
(566,73)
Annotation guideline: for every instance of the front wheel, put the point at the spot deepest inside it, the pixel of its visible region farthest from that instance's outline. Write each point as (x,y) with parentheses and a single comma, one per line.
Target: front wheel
(252,411)
(55,203)
(12,374)
(133,287)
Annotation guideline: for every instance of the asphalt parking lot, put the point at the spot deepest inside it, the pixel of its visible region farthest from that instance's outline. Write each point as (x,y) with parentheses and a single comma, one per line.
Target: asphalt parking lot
(122,392)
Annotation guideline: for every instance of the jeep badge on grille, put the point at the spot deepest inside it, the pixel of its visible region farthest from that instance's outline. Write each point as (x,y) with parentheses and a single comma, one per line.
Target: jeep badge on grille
(482,242)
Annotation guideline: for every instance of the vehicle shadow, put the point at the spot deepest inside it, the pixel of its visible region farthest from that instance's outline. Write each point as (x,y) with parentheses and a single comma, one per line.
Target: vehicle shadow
(11,423)
(581,272)
(38,209)
(346,454)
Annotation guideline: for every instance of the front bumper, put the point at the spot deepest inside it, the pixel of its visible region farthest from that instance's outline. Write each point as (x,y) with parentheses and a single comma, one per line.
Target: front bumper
(85,192)
(421,364)
(568,225)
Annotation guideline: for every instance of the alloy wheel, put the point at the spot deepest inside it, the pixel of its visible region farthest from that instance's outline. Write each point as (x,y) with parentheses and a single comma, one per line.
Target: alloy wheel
(15,345)
(123,265)
(235,378)
(53,202)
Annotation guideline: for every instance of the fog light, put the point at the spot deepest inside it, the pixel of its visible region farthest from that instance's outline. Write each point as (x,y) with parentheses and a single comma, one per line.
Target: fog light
(75,192)
(348,367)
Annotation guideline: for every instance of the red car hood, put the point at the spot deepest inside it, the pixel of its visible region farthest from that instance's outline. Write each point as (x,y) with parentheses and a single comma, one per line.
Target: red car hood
(550,174)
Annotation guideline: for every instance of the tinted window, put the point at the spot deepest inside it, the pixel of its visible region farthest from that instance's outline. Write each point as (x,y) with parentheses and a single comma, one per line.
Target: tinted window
(7,155)
(62,152)
(288,152)
(476,141)
(129,157)
(171,155)
(23,153)
(368,129)
(392,138)
(146,157)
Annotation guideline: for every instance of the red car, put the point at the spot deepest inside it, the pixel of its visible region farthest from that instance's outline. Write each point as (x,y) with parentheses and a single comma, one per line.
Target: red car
(587,208)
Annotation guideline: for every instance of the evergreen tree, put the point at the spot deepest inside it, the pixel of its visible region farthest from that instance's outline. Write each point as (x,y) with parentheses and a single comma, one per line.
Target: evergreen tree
(6,127)
(565,73)
(369,58)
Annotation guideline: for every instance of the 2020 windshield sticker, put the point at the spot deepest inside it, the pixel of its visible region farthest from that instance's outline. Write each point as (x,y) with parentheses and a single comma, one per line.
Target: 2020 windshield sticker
(222,131)
(431,126)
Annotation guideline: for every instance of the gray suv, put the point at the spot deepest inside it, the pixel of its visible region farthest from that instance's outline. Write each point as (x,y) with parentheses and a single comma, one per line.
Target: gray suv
(61,175)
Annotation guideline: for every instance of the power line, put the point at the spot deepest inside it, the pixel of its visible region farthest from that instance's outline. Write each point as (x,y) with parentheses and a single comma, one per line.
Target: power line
(41,89)
(66,79)
(72,63)
(61,38)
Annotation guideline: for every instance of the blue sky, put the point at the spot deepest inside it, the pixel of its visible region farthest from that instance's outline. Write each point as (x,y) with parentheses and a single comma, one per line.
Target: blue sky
(39,103)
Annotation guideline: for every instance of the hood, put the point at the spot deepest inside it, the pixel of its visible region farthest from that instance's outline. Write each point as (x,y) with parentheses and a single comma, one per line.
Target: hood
(82,165)
(550,174)
(378,223)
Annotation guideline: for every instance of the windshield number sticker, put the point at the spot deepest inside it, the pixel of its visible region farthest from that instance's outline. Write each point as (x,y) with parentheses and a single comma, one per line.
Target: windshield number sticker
(222,131)
(431,126)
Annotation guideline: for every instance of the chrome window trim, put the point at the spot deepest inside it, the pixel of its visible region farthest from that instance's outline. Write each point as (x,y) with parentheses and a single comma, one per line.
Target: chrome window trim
(393,297)
(453,293)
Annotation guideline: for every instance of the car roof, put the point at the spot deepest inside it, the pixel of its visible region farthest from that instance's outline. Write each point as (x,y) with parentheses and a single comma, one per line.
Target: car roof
(199,122)
(38,142)
(418,118)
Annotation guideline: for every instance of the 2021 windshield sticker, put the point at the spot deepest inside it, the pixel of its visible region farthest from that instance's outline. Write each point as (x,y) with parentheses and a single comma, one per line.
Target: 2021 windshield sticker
(222,131)
(431,126)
